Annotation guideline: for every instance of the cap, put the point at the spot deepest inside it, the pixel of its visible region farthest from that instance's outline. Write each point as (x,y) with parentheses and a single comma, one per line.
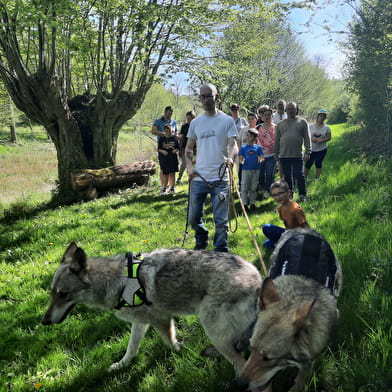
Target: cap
(322,111)
(234,106)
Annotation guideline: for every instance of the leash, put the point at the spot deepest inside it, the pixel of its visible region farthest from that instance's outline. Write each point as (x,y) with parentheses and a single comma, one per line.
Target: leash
(232,187)
(212,186)
(186,232)
(248,222)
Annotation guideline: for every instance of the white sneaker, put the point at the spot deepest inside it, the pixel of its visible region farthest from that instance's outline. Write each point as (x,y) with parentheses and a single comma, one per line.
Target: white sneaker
(162,191)
(172,190)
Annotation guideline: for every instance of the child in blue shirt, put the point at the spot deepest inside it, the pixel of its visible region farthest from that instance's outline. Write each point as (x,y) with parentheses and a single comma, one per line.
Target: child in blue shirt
(251,155)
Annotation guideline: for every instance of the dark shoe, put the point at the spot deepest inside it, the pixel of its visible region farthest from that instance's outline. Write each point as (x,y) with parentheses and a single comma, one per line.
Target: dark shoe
(252,208)
(201,246)
(303,198)
(225,249)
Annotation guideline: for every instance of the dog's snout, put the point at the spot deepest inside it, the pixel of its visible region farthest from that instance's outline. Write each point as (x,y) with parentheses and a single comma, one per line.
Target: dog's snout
(241,383)
(46,320)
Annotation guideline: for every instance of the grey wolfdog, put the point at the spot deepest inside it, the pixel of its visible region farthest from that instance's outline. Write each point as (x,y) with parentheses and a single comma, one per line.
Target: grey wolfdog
(297,315)
(222,288)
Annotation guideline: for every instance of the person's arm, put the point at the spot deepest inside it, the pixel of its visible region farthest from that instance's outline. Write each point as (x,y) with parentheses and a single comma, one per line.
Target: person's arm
(233,150)
(277,143)
(261,155)
(188,158)
(155,131)
(328,136)
(307,143)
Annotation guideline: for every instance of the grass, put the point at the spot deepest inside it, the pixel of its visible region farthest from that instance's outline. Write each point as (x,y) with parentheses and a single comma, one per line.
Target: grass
(29,167)
(350,205)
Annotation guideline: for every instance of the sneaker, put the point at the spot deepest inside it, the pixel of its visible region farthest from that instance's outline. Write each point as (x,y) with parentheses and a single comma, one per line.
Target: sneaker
(178,181)
(303,198)
(162,191)
(266,195)
(172,190)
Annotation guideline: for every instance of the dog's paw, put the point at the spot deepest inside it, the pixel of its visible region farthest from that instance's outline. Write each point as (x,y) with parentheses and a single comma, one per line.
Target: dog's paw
(176,345)
(114,367)
(211,352)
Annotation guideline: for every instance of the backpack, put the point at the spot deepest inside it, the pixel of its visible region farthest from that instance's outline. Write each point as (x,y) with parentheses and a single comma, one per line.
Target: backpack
(306,253)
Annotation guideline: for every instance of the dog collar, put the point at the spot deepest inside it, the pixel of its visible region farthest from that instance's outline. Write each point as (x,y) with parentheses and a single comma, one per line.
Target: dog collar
(133,293)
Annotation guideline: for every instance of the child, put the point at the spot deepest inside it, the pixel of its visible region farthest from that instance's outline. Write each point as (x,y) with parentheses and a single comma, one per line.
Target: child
(168,161)
(290,212)
(251,155)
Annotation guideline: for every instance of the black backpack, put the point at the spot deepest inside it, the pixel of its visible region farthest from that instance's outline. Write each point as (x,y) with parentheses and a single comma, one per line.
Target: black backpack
(305,252)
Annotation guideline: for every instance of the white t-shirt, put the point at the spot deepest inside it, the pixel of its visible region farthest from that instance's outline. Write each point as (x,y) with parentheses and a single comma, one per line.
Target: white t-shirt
(319,132)
(212,135)
(277,117)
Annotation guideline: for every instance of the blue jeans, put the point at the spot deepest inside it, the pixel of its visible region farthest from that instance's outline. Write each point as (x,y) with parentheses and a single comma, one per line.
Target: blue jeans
(293,170)
(220,209)
(267,173)
(273,234)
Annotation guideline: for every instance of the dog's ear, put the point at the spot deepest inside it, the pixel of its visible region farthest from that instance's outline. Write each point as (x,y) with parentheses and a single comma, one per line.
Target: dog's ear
(67,256)
(302,314)
(79,261)
(268,294)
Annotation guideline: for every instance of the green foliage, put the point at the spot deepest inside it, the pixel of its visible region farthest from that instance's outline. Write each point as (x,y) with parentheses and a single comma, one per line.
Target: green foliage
(257,60)
(343,106)
(351,205)
(370,66)
(153,106)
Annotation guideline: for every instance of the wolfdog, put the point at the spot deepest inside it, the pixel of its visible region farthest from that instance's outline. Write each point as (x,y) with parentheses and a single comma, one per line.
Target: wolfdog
(222,288)
(297,315)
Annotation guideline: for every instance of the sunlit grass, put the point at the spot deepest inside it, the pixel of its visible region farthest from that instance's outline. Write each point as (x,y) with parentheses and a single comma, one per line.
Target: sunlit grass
(28,168)
(350,205)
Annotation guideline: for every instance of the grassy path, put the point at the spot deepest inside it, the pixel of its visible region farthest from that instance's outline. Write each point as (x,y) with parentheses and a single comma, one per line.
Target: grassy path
(350,205)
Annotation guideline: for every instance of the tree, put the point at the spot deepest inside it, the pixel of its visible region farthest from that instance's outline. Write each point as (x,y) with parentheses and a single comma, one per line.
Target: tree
(81,68)
(258,60)
(370,66)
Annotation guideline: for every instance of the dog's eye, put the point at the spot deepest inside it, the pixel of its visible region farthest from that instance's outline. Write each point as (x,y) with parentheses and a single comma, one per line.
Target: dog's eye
(62,294)
(265,358)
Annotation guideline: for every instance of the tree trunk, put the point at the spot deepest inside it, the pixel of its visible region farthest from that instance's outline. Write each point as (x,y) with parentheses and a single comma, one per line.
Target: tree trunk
(129,174)
(84,129)
(14,139)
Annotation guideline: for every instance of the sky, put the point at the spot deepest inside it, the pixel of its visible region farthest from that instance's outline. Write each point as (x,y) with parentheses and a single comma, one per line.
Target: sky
(315,39)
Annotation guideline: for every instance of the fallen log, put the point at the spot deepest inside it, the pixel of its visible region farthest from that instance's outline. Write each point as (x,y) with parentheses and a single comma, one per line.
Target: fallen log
(133,173)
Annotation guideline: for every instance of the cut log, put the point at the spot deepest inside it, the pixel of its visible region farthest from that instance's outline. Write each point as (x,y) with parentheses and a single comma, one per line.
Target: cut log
(133,173)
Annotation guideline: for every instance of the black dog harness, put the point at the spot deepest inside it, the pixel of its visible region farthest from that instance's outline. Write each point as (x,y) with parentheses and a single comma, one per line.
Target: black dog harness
(307,255)
(133,293)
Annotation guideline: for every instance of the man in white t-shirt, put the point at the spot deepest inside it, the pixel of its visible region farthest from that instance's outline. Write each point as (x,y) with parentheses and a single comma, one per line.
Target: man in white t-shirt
(280,113)
(215,134)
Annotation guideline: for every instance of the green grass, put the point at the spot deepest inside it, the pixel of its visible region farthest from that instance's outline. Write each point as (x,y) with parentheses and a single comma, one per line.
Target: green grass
(29,167)
(350,205)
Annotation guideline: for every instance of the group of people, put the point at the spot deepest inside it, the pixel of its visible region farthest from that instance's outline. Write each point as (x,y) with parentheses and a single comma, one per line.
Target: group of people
(261,145)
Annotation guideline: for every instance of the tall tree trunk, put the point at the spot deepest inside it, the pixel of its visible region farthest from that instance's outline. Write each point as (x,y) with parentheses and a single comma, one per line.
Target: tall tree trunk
(14,138)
